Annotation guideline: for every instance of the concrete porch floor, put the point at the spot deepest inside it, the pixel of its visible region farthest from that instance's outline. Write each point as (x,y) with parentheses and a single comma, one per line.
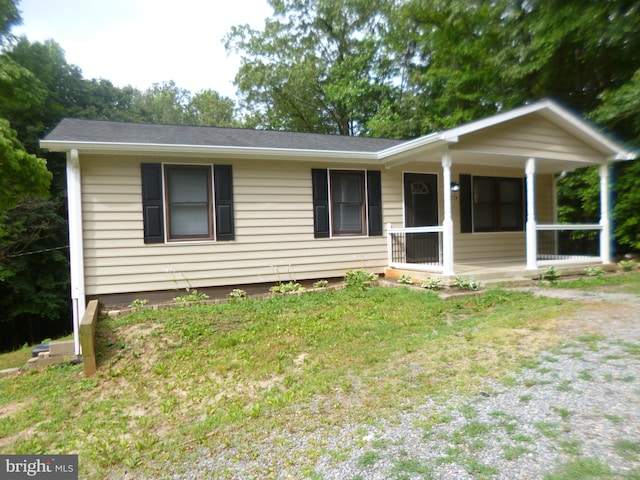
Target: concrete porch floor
(495,273)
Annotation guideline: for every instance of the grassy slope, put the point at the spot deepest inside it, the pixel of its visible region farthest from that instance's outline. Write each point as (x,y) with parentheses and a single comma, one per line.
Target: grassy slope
(172,380)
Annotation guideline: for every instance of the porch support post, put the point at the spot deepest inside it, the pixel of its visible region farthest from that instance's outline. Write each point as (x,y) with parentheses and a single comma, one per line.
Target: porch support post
(605,233)
(447,222)
(76,256)
(531,237)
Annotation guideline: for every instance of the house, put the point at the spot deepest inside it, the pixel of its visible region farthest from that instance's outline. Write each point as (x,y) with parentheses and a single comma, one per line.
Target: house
(154,206)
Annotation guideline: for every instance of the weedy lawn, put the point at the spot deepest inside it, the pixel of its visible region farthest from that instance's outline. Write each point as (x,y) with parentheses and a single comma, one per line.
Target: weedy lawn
(172,381)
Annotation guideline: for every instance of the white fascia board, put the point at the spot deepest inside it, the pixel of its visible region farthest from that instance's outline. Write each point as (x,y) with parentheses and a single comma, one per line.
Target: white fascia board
(210,150)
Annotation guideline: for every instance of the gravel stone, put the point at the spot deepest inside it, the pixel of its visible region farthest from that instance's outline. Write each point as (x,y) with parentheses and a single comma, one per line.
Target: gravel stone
(574,401)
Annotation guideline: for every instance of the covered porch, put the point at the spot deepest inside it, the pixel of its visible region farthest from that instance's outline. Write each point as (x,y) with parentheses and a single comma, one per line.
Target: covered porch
(519,155)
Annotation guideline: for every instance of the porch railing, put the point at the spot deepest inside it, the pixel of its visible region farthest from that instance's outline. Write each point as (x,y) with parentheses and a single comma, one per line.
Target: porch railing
(568,243)
(415,247)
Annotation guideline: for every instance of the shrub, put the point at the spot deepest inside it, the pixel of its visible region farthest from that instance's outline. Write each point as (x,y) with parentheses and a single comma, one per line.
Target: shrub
(405,280)
(192,296)
(321,284)
(550,274)
(138,302)
(283,288)
(359,278)
(466,283)
(431,284)
(626,265)
(594,271)
(237,294)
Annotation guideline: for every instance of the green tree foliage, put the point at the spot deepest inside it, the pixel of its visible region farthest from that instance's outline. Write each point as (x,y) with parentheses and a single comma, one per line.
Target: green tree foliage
(169,104)
(451,55)
(34,295)
(620,111)
(21,174)
(318,65)
(209,108)
(9,17)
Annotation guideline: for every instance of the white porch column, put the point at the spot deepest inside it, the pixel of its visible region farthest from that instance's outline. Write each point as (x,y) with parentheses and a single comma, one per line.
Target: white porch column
(76,256)
(531,237)
(605,234)
(447,222)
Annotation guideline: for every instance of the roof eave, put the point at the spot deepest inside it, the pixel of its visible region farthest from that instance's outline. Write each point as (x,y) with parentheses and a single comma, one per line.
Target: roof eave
(209,151)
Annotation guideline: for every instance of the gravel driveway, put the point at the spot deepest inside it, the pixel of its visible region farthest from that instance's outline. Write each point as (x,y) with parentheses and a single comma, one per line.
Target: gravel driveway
(575,406)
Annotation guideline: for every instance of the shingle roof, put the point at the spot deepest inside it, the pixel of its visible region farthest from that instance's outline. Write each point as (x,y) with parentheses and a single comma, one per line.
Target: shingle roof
(76,130)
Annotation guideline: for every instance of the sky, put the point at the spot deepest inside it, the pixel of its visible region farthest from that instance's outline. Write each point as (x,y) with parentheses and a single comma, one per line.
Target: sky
(142,42)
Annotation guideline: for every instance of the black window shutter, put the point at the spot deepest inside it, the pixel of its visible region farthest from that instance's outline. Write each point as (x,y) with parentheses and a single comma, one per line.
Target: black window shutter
(374,200)
(466,204)
(152,205)
(320,203)
(223,185)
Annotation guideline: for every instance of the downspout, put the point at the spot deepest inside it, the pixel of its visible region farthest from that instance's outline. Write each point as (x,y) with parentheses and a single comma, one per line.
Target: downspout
(76,255)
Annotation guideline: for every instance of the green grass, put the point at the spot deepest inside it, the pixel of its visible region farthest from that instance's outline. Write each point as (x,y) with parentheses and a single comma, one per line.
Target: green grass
(172,381)
(582,469)
(15,359)
(627,283)
(627,449)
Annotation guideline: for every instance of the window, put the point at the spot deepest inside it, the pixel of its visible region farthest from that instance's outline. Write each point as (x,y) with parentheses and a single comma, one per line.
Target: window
(491,204)
(346,203)
(187,202)
(498,204)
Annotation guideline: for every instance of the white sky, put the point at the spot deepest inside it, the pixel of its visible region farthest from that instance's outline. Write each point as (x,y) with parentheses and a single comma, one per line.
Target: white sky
(142,42)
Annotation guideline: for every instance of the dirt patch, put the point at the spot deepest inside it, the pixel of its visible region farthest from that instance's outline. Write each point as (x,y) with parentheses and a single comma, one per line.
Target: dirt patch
(13,408)
(603,312)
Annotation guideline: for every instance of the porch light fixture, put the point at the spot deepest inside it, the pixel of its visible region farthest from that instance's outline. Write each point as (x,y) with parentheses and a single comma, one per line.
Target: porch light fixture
(455,187)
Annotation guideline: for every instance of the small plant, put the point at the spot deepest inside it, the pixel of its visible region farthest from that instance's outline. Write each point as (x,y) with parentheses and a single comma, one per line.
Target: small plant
(405,280)
(237,294)
(431,284)
(321,284)
(466,283)
(550,274)
(359,278)
(192,296)
(594,271)
(626,265)
(138,302)
(283,288)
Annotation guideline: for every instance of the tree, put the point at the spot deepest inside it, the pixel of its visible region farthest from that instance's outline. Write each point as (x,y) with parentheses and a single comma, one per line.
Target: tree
(450,55)
(318,65)
(209,108)
(21,174)
(9,17)
(620,111)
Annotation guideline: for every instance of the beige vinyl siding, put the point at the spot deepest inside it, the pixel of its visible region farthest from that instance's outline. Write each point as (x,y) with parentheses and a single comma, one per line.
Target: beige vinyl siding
(531,136)
(273,223)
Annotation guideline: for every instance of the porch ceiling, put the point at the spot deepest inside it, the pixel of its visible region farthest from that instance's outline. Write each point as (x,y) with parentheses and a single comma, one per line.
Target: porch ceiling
(544,165)
(474,158)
